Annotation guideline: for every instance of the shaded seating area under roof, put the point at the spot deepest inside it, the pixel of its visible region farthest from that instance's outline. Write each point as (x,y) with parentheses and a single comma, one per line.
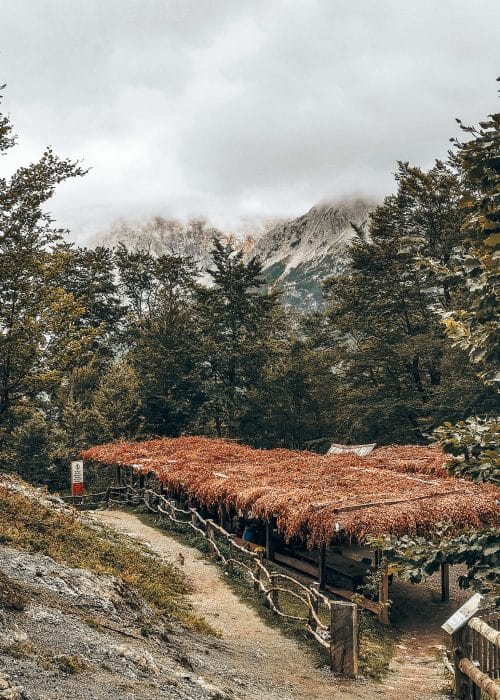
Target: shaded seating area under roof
(319,499)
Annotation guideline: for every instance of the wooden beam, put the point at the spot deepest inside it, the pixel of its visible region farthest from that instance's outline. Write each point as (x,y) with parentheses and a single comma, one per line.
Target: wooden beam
(480,679)
(445,582)
(344,638)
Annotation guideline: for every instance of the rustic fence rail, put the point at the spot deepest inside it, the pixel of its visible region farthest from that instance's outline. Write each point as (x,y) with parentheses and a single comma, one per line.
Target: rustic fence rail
(339,636)
(477,658)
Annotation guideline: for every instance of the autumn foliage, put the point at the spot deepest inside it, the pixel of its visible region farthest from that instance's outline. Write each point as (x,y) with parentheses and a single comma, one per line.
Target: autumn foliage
(393,490)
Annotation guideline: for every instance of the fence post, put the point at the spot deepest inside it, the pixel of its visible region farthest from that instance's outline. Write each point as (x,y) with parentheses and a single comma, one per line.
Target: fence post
(315,605)
(461,649)
(257,574)
(209,536)
(194,519)
(344,638)
(274,594)
(230,567)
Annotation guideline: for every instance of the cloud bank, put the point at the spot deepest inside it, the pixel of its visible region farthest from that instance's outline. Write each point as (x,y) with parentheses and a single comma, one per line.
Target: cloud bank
(239,110)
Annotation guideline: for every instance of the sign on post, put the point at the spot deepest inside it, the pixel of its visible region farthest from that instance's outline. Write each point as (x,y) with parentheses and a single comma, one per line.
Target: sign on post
(463,614)
(77,478)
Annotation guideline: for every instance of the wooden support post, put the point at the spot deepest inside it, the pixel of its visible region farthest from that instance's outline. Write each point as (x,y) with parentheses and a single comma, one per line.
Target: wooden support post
(210,534)
(269,541)
(383,595)
(344,638)
(256,584)
(141,481)
(119,476)
(445,582)
(194,519)
(322,566)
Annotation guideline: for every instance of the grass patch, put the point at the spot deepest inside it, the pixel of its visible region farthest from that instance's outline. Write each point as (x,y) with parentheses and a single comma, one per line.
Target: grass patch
(27,524)
(376,644)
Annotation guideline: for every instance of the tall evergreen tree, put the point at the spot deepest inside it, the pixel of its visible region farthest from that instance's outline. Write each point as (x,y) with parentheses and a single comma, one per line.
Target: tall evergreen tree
(396,371)
(235,322)
(165,342)
(39,335)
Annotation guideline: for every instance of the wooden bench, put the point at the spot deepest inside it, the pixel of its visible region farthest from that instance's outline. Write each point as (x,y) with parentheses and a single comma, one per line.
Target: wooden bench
(349,570)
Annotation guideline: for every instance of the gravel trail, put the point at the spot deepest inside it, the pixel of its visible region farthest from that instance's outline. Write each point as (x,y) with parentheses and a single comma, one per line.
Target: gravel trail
(260,662)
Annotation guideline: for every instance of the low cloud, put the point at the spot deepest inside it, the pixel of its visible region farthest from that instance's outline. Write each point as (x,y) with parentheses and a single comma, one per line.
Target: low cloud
(238,110)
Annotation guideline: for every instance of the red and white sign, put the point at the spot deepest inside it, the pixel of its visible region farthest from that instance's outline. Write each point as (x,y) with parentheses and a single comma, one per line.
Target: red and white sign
(77,478)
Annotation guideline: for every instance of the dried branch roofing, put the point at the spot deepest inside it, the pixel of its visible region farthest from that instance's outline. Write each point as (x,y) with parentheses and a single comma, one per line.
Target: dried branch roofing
(398,489)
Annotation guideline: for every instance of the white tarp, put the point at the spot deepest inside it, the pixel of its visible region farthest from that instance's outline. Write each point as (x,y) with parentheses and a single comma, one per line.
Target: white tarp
(360,450)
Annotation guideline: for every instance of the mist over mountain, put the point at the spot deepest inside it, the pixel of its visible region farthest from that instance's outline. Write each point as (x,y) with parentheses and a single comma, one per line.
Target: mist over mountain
(296,254)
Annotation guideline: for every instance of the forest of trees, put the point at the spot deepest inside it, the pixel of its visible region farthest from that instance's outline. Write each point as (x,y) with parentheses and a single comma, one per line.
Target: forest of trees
(99,344)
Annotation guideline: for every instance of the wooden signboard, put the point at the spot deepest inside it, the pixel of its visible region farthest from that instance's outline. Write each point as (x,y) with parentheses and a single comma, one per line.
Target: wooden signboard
(463,614)
(77,478)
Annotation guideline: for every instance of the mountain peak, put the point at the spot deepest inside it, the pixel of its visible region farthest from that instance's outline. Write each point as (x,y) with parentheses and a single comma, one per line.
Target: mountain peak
(297,255)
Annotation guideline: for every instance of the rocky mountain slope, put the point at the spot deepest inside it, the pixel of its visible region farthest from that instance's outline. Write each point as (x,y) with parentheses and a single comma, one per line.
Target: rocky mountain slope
(296,254)
(72,632)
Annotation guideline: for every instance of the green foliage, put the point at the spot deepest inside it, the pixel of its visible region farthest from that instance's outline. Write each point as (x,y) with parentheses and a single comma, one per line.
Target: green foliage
(473,323)
(474,446)
(39,335)
(417,557)
(470,275)
(397,375)
(235,317)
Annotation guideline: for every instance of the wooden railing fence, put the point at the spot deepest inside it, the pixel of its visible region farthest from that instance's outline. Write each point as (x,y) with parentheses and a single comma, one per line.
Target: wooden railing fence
(339,636)
(476,648)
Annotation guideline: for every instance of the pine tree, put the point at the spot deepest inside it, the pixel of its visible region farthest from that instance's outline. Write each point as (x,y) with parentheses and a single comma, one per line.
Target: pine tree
(395,367)
(39,335)
(235,322)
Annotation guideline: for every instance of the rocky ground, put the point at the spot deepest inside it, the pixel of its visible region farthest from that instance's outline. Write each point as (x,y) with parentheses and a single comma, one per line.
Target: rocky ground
(69,633)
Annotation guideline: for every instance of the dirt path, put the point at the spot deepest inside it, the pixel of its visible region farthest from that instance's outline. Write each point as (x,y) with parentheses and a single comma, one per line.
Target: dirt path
(259,661)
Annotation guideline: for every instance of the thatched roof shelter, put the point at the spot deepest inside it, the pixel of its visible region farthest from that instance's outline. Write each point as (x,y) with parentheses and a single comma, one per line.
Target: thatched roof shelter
(398,489)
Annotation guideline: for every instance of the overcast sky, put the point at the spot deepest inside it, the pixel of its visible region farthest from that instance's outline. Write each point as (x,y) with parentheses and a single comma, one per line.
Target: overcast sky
(240,109)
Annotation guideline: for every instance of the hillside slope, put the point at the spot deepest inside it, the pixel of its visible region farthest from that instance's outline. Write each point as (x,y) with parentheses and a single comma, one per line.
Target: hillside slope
(71,628)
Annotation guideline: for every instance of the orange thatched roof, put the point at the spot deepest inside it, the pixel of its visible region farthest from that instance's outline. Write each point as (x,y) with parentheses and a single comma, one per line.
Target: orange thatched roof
(393,490)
